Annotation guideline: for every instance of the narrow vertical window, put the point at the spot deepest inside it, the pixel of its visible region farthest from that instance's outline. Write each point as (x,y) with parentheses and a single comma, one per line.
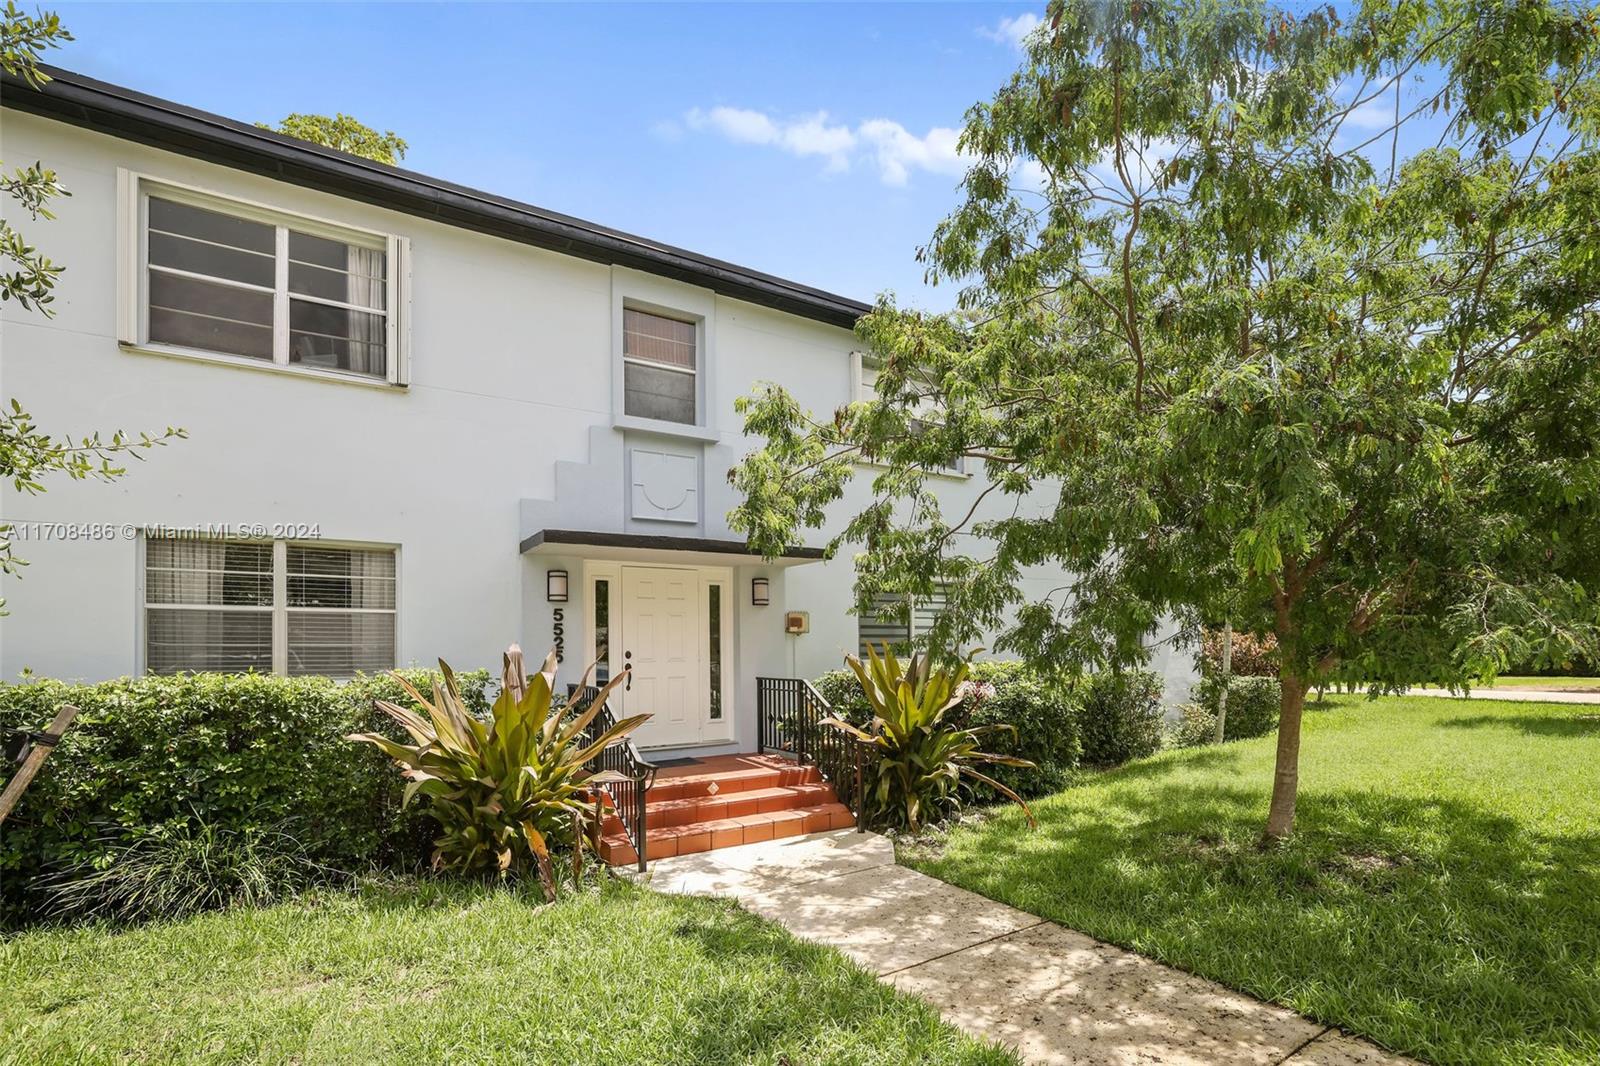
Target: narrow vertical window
(602,631)
(714,658)
(659,361)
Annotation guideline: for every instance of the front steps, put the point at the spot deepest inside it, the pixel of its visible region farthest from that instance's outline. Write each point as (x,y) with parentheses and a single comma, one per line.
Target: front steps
(725,801)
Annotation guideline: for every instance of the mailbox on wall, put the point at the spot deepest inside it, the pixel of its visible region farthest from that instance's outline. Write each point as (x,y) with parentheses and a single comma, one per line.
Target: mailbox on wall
(797,622)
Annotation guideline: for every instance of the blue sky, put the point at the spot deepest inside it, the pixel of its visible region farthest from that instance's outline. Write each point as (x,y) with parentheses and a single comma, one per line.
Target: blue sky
(813,141)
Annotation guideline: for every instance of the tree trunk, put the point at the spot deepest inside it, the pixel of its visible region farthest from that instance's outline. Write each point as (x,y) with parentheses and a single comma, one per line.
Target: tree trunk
(1227,676)
(1286,778)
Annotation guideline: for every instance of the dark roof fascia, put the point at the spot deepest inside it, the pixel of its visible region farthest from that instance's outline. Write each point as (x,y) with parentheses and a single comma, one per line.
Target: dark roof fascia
(125,113)
(593,539)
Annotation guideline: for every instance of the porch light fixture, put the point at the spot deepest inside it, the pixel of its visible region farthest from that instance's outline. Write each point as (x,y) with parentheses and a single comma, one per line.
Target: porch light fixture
(760,592)
(555,586)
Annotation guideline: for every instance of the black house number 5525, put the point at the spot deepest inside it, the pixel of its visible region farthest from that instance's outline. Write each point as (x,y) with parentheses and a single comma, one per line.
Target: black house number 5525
(559,630)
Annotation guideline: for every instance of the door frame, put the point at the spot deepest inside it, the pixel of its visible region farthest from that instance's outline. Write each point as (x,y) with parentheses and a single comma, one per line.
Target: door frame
(720,731)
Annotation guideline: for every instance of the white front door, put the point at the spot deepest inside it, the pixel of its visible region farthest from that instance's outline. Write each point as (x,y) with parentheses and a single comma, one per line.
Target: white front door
(661,649)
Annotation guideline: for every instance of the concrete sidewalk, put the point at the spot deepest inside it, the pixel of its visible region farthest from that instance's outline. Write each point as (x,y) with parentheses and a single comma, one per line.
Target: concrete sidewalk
(999,973)
(1514,695)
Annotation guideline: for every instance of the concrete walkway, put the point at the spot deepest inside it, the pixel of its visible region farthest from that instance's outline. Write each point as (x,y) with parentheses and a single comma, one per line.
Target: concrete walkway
(999,973)
(1523,695)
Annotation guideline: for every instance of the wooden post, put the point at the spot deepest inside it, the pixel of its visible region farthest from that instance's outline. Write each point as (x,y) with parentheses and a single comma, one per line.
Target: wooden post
(37,754)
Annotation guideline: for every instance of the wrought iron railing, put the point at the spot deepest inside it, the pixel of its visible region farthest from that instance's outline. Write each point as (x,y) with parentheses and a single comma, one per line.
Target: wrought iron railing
(789,715)
(627,795)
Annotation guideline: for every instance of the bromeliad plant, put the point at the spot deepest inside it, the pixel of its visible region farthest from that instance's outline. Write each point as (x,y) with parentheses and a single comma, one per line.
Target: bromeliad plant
(918,761)
(503,791)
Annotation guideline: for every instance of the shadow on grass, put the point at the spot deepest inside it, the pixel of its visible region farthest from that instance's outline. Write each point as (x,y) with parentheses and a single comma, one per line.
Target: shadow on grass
(1577,724)
(1435,926)
(796,998)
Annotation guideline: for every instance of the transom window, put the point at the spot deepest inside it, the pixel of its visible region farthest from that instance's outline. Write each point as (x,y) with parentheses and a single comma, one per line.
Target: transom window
(234,281)
(290,608)
(659,365)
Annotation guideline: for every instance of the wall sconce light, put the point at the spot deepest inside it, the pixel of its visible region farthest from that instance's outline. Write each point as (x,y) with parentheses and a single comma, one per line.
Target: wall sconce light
(555,586)
(760,592)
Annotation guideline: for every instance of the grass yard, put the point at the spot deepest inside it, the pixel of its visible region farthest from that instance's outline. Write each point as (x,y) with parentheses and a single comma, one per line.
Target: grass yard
(442,973)
(1441,895)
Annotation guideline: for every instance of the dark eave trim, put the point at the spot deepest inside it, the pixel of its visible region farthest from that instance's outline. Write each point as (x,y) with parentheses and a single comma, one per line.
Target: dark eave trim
(121,112)
(589,539)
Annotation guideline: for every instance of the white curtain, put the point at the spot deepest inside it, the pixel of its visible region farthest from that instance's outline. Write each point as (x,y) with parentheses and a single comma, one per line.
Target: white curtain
(367,288)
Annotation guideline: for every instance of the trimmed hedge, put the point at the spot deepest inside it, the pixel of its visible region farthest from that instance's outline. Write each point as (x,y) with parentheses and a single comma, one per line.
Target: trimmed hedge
(245,753)
(1252,711)
(1252,704)
(1120,716)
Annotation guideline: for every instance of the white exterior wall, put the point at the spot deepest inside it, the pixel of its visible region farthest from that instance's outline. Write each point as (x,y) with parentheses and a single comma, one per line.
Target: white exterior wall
(506,428)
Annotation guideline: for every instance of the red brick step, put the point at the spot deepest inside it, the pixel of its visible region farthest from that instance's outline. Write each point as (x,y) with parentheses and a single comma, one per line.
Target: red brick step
(726,801)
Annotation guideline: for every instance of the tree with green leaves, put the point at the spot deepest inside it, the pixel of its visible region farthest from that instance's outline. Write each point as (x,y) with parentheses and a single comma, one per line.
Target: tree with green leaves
(27,280)
(1286,321)
(344,133)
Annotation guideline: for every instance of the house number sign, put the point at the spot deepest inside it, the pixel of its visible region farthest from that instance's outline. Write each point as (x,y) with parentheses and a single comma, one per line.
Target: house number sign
(559,631)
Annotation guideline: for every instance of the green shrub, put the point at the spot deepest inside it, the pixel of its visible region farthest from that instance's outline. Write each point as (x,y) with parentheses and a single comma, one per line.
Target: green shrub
(1196,727)
(504,790)
(1042,714)
(1252,705)
(244,753)
(1119,716)
(919,761)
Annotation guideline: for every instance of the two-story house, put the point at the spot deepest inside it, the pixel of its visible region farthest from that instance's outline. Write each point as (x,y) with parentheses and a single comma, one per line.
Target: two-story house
(423,421)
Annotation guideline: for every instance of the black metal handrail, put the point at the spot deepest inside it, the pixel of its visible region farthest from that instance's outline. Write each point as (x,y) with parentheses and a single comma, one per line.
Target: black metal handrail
(627,796)
(789,713)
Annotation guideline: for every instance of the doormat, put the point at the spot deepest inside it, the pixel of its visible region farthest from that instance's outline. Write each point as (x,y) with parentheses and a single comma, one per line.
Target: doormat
(665,763)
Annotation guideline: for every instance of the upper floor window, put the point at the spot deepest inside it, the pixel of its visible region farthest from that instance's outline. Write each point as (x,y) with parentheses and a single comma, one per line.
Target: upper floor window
(930,413)
(291,608)
(659,365)
(225,278)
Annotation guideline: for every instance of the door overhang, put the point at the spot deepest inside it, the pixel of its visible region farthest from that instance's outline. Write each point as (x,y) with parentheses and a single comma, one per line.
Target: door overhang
(648,548)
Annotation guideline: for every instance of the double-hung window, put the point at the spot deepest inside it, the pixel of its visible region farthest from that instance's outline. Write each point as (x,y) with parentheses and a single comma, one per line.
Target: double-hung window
(280,606)
(659,366)
(223,278)
(926,409)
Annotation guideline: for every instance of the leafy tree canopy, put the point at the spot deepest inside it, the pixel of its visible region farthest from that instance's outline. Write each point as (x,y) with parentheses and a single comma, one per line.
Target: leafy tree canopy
(1298,330)
(344,133)
(27,453)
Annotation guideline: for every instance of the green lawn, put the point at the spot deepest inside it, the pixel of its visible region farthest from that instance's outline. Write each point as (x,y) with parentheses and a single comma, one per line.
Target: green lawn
(457,974)
(1441,895)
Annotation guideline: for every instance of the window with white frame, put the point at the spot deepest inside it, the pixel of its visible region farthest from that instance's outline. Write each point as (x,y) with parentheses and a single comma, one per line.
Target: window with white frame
(659,366)
(288,607)
(869,392)
(231,279)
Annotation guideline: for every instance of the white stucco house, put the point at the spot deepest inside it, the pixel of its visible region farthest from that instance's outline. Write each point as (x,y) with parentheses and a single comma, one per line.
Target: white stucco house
(423,421)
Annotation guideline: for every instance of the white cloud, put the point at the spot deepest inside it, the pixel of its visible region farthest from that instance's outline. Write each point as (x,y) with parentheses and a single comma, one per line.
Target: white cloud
(1011,31)
(1375,114)
(897,151)
(809,135)
(894,151)
(666,130)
